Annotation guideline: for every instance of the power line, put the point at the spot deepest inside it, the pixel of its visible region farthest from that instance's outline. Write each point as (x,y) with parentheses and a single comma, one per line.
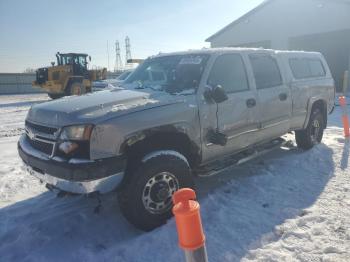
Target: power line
(127,53)
(118,61)
(107,56)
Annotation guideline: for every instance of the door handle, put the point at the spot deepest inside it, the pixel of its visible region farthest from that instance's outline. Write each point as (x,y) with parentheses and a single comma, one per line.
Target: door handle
(283,96)
(251,102)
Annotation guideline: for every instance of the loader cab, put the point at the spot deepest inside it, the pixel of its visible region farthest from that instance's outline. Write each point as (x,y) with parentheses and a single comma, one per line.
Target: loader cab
(77,61)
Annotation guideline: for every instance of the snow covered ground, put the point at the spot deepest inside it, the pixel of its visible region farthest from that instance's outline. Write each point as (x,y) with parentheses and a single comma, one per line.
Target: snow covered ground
(286,206)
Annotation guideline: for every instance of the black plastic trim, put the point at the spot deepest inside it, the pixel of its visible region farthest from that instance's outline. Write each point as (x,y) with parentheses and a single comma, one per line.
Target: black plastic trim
(75,171)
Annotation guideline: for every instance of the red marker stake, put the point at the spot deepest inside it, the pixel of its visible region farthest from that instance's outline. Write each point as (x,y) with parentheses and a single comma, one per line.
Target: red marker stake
(189,225)
(345,118)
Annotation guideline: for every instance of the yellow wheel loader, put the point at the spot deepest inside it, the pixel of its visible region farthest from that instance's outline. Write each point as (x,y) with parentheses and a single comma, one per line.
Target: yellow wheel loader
(69,77)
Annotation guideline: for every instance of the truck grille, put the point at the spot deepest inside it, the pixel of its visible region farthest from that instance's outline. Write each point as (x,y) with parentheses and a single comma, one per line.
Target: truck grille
(44,147)
(41,138)
(41,129)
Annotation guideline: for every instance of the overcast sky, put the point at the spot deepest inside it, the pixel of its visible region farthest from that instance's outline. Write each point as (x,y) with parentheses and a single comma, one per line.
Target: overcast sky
(32,31)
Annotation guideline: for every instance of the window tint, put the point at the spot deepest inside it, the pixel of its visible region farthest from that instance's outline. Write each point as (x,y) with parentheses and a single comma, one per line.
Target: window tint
(158,76)
(229,72)
(266,71)
(300,68)
(306,68)
(82,61)
(316,68)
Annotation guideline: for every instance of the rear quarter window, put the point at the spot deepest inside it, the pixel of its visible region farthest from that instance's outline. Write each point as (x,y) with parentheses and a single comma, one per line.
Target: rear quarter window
(300,68)
(306,68)
(316,68)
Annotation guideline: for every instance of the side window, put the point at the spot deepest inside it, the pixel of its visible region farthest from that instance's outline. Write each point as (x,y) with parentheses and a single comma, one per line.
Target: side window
(229,72)
(316,68)
(306,68)
(300,68)
(266,71)
(158,76)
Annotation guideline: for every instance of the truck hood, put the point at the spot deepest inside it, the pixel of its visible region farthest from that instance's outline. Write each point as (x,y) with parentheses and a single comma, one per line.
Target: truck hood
(95,107)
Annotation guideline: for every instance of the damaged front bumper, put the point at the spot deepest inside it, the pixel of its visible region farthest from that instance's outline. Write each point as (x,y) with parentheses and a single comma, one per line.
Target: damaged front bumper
(76,175)
(102,185)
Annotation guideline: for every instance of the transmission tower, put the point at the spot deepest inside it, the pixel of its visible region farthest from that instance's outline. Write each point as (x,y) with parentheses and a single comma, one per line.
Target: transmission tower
(118,60)
(128,53)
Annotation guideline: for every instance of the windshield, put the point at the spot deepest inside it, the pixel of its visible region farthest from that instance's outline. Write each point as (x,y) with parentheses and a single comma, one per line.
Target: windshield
(69,60)
(172,74)
(82,61)
(64,60)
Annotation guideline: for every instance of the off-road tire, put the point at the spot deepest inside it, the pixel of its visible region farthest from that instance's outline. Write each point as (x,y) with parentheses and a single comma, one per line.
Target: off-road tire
(55,96)
(132,194)
(307,138)
(76,89)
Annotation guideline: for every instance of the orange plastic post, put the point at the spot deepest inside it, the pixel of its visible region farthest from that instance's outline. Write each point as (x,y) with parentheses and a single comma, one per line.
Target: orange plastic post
(345,118)
(189,225)
(346,126)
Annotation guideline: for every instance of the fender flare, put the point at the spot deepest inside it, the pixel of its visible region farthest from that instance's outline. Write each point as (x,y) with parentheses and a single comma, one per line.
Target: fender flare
(310,104)
(142,135)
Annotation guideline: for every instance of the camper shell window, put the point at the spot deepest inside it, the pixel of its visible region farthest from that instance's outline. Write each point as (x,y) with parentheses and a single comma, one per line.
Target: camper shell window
(306,68)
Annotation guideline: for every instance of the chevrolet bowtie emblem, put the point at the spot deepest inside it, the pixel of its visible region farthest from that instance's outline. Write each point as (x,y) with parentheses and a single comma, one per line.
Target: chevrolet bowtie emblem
(31,135)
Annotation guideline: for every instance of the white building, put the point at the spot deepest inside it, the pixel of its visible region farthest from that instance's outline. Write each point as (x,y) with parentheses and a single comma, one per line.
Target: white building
(310,25)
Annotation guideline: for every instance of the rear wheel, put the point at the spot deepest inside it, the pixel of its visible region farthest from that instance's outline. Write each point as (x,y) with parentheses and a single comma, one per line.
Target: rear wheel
(313,134)
(55,96)
(146,197)
(76,89)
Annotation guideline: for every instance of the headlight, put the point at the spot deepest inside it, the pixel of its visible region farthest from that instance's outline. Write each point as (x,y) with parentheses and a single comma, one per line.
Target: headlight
(81,132)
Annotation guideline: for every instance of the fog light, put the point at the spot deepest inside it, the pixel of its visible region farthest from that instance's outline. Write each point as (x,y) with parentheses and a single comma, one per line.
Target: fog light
(68,147)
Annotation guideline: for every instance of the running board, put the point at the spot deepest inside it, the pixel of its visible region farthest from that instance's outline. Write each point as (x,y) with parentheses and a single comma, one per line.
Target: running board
(241,158)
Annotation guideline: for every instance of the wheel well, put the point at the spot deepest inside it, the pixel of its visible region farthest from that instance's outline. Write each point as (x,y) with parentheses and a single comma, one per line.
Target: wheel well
(177,141)
(322,106)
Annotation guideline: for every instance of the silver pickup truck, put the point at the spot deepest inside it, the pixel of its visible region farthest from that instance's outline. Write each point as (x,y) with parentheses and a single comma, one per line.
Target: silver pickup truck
(176,116)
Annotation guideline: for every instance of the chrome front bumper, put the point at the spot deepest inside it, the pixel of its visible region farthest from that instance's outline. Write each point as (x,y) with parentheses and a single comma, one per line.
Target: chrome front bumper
(102,185)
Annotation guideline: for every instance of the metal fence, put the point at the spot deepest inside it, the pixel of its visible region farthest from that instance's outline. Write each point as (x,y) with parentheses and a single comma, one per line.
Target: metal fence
(21,83)
(17,83)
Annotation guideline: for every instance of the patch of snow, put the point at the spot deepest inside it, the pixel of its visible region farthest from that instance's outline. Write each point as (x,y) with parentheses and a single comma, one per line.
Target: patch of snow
(142,102)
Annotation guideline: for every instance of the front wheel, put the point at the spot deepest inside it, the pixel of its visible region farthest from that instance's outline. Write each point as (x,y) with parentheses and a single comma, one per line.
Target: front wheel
(313,134)
(146,198)
(54,96)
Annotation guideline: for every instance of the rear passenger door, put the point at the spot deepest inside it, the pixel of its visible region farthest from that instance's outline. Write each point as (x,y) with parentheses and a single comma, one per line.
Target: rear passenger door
(237,116)
(274,96)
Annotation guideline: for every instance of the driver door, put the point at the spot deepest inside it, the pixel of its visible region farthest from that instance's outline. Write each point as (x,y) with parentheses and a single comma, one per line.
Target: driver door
(237,117)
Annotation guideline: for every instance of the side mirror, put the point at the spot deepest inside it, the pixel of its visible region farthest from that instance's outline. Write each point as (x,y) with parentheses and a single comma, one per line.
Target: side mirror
(217,94)
(53,63)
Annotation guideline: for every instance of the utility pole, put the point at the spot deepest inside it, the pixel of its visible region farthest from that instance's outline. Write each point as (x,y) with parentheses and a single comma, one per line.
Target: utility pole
(107,56)
(128,53)
(118,61)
